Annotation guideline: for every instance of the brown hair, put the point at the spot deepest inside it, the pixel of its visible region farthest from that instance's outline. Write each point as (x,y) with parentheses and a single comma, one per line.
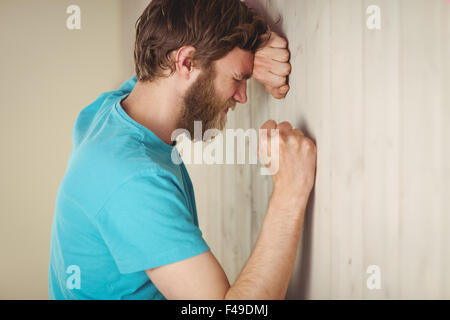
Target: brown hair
(213,27)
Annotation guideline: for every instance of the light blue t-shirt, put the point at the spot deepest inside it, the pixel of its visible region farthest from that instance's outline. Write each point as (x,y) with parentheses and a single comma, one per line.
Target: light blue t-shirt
(123,206)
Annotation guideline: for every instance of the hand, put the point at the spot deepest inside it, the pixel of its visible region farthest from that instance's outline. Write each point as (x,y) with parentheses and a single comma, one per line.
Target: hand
(271,66)
(296,160)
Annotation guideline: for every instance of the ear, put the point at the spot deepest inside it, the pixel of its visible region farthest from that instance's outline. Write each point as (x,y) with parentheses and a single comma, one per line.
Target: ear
(184,62)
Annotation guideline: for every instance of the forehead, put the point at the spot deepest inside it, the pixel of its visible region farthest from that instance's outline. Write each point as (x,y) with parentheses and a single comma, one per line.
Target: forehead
(237,62)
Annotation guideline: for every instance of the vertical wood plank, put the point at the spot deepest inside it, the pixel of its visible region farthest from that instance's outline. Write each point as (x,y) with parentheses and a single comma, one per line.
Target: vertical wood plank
(420,259)
(318,104)
(381,145)
(310,48)
(445,147)
(347,147)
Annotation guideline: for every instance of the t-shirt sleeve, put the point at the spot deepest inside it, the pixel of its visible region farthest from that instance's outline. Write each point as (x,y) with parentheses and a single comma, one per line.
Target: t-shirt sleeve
(147,223)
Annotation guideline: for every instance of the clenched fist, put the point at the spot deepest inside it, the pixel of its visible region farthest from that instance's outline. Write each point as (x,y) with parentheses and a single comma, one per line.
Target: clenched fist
(294,174)
(271,66)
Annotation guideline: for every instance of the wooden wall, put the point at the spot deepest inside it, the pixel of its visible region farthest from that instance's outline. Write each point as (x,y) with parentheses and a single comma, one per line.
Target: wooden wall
(377,104)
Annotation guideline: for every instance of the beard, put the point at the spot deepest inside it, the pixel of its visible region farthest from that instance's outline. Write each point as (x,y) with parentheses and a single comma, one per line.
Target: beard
(202,103)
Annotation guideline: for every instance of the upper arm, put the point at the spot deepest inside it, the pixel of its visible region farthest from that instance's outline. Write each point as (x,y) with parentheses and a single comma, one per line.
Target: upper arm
(195,278)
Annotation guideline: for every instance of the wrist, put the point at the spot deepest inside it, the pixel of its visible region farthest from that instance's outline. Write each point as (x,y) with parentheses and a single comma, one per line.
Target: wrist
(291,201)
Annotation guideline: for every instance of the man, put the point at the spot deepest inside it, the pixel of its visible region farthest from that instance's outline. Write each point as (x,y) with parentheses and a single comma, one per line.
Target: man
(125,224)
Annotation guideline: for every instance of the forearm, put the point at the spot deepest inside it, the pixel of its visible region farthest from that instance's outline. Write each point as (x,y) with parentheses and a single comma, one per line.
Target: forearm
(267,272)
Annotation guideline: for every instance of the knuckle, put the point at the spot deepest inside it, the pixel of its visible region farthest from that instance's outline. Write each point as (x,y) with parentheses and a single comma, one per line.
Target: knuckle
(284,123)
(282,141)
(299,131)
(294,141)
(284,126)
(283,42)
(283,134)
(308,144)
(288,68)
(281,81)
(269,124)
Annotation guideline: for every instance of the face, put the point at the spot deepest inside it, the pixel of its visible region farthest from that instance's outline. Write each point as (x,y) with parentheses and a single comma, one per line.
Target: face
(217,90)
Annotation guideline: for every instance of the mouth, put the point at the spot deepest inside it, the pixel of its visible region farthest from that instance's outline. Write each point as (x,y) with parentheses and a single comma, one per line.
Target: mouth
(225,111)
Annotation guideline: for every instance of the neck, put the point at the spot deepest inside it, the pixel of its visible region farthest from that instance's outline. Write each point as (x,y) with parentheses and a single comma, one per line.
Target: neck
(156,106)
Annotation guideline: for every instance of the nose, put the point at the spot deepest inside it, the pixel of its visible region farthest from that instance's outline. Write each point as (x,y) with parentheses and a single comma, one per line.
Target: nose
(241,93)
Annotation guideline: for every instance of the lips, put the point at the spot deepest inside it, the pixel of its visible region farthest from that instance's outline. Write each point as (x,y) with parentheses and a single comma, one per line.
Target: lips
(233,107)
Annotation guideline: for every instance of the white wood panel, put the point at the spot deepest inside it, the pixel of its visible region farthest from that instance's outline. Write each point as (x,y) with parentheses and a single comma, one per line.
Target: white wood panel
(445,159)
(316,246)
(420,136)
(346,149)
(381,149)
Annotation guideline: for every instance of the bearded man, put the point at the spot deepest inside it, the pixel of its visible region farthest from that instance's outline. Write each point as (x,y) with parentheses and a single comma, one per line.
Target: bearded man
(125,222)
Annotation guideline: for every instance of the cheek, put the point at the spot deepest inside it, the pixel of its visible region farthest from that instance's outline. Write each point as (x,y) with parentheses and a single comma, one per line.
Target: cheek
(230,94)
(226,89)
